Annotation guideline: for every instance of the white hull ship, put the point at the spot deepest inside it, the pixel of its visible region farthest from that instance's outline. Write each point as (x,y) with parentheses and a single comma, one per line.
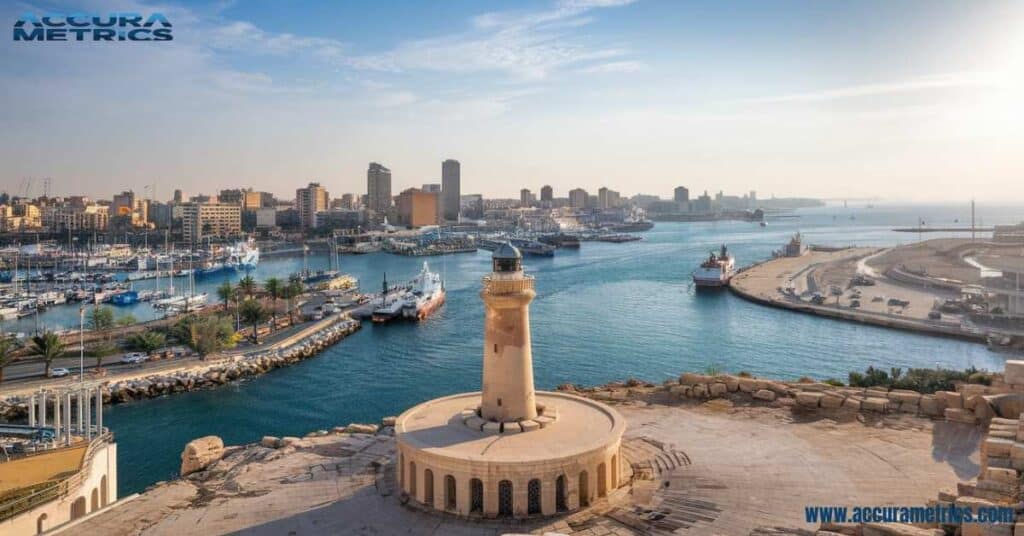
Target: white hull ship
(427,294)
(716,271)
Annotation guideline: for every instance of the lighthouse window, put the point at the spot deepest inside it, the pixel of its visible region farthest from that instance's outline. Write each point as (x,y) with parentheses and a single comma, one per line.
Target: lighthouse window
(499,401)
(495,348)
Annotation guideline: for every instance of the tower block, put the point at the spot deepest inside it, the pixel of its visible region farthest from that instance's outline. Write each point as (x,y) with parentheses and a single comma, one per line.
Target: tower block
(508,393)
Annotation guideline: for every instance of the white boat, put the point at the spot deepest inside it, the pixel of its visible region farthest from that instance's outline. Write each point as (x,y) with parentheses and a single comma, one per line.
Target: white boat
(716,271)
(8,313)
(243,256)
(426,294)
(390,305)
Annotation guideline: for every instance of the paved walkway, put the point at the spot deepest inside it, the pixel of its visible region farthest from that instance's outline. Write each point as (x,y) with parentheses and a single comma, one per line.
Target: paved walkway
(708,471)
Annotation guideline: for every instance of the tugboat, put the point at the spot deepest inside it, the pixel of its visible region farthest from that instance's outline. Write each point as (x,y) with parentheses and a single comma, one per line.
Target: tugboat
(426,296)
(716,271)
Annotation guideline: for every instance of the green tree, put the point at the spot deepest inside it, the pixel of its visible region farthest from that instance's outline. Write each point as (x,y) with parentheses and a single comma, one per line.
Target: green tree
(147,341)
(292,291)
(254,314)
(126,320)
(210,334)
(101,318)
(8,345)
(49,346)
(225,292)
(101,350)
(247,285)
(274,288)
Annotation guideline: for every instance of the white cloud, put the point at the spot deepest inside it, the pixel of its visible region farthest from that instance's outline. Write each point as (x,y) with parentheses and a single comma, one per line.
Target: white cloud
(915,85)
(615,67)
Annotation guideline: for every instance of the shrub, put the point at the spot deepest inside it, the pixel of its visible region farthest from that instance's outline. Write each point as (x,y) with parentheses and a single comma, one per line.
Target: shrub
(805,379)
(835,381)
(745,374)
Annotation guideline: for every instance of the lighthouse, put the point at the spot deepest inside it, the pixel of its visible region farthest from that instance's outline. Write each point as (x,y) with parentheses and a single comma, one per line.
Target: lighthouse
(507,391)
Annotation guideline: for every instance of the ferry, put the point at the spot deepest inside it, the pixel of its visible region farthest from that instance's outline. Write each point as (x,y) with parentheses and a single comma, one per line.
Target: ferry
(427,294)
(716,271)
(390,306)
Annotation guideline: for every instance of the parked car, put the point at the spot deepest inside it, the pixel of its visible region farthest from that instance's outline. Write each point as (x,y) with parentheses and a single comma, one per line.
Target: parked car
(59,372)
(134,358)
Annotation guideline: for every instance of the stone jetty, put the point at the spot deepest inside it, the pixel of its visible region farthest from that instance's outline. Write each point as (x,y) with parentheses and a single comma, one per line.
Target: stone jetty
(205,375)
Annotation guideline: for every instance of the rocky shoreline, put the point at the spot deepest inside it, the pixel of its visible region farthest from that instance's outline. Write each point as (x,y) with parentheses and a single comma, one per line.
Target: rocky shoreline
(210,374)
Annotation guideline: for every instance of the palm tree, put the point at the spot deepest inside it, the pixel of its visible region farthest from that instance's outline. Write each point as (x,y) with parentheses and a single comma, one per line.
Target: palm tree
(292,290)
(254,314)
(247,285)
(273,286)
(7,347)
(48,345)
(225,292)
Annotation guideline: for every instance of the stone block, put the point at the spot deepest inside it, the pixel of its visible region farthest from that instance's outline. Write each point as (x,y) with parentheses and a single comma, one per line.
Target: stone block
(876,404)
(764,394)
(808,399)
(698,390)
(952,399)
(852,403)
(717,389)
(831,401)
(909,407)
(930,406)
(529,426)
(270,442)
(897,529)
(777,388)
(732,383)
(1013,371)
(200,453)
(356,428)
(492,428)
(475,423)
(995,446)
(904,395)
(967,390)
(747,385)
(679,390)
(874,392)
(960,415)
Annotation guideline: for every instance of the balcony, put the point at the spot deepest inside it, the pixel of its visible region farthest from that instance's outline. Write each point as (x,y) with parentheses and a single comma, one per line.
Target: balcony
(507,286)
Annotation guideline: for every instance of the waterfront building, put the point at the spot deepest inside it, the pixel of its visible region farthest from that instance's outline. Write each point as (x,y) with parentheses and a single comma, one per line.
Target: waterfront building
(129,209)
(472,206)
(179,197)
(451,189)
(199,220)
(68,217)
(433,188)
(378,188)
(265,217)
(703,203)
(508,450)
(59,467)
(340,218)
(547,194)
(309,201)
(681,194)
(607,198)
(578,198)
(1008,234)
(417,208)
(525,198)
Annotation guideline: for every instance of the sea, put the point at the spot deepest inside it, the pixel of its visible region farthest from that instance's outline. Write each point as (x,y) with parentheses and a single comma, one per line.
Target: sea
(602,313)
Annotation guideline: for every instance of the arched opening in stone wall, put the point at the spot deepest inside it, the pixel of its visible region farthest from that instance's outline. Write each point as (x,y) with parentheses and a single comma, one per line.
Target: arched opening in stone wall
(78,508)
(602,480)
(449,493)
(476,496)
(412,480)
(560,504)
(584,489)
(428,487)
(533,497)
(505,498)
(95,500)
(615,471)
(41,524)
(104,497)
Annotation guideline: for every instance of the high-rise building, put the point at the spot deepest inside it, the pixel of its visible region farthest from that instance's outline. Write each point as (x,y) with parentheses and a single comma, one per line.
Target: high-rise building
(607,198)
(179,197)
(525,198)
(578,198)
(546,194)
(451,188)
(681,195)
(432,188)
(472,206)
(378,188)
(129,209)
(417,208)
(200,220)
(309,201)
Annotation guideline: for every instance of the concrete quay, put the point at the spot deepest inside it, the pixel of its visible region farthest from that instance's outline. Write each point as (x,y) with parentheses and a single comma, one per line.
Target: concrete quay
(788,283)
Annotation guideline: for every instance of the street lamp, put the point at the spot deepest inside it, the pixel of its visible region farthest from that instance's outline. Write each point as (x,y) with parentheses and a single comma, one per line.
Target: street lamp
(81,344)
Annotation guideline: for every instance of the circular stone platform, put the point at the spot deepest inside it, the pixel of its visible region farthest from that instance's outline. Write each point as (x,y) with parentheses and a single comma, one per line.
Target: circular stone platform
(449,466)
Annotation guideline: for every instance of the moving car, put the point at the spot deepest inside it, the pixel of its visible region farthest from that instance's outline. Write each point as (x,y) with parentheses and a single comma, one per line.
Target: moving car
(134,358)
(59,372)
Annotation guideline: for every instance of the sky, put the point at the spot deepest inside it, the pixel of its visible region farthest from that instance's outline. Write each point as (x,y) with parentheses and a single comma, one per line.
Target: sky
(910,100)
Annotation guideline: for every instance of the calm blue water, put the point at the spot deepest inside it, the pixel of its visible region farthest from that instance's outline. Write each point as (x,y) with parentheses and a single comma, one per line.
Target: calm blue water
(606,312)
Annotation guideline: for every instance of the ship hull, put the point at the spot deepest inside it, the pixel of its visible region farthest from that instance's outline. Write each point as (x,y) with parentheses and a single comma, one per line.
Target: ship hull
(426,309)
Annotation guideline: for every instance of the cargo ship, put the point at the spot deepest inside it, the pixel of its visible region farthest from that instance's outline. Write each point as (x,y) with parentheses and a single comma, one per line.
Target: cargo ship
(425,296)
(716,271)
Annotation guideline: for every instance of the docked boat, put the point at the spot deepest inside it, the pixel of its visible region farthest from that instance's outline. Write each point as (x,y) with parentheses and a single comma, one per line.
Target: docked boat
(716,271)
(128,297)
(561,240)
(426,295)
(390,305)
(243,256)
(533,247)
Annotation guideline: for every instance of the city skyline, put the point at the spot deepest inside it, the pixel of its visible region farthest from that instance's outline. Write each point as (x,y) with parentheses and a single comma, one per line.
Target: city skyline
(831,101)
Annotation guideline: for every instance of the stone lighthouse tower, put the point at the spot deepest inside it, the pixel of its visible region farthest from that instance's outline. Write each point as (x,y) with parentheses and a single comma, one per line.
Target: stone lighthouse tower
(508,394)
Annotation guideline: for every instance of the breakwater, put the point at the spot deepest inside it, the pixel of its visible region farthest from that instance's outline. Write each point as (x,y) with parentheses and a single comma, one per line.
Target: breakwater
(211,373)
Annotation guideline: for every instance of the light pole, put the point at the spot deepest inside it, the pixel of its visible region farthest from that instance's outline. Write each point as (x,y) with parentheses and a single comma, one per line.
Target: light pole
(81,345)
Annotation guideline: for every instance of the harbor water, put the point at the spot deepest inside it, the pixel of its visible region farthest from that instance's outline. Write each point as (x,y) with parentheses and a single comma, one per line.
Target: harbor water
(604,312)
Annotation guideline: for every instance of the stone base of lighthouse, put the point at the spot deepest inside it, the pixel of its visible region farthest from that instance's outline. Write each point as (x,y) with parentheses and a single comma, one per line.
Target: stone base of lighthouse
(450,460)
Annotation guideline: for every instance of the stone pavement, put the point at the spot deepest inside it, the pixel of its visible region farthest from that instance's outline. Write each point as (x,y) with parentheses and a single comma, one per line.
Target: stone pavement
(703,470)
